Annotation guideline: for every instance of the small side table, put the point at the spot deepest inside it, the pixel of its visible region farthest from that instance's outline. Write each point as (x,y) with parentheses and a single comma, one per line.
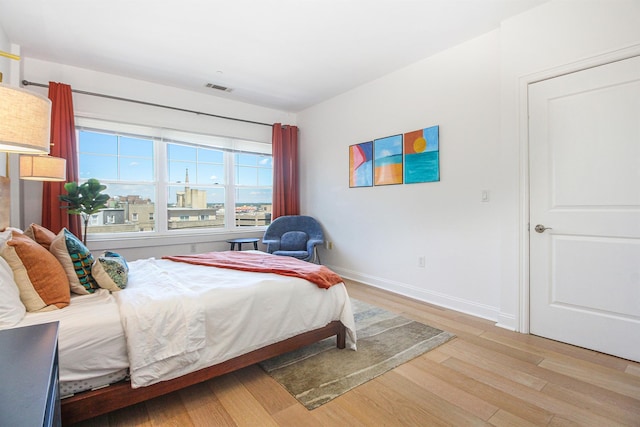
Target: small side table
(241,241)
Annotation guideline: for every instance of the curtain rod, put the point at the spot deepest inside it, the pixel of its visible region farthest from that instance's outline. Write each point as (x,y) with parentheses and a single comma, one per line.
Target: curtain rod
(135,101)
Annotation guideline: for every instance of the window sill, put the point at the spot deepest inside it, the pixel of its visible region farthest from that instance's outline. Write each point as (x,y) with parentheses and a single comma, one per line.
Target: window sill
(143,240)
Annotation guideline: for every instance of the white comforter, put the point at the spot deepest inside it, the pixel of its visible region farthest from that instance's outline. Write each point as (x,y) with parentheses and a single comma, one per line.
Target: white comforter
(179,317)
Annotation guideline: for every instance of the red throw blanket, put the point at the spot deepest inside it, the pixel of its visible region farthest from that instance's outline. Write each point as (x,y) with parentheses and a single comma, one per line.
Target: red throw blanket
(264,263)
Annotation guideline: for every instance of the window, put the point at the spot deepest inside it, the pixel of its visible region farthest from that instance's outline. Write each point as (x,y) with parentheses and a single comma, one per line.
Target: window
(125,165)
(254,189)
(168,181)
(94,219)
(196,185)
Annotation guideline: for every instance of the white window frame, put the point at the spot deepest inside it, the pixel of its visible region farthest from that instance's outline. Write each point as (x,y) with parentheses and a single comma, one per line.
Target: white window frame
(162,137)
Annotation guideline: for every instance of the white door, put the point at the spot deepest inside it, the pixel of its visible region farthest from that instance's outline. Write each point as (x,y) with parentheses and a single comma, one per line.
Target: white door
(584,139)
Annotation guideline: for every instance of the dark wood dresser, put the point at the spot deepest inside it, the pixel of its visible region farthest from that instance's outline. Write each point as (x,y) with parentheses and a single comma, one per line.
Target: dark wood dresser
(29,393)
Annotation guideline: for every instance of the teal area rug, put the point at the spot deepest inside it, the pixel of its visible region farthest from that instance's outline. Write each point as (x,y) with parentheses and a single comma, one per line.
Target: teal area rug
(320,372)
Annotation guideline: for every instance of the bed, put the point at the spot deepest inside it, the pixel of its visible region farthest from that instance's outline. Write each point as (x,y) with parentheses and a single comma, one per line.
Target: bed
(176,324)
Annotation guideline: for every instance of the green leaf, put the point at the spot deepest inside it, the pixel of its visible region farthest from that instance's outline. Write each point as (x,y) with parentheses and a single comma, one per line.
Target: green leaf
(86,198)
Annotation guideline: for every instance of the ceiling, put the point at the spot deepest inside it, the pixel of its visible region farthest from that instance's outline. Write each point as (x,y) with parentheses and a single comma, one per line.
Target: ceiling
(283,54)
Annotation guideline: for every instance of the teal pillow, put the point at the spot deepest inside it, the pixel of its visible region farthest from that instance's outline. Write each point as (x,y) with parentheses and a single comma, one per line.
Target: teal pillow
(111,271)
(76,259)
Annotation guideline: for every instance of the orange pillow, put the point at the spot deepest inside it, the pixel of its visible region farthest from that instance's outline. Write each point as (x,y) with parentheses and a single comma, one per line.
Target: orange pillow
(40,234)
(42,282)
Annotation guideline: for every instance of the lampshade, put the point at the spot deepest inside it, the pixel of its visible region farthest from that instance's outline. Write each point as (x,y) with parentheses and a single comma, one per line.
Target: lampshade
(25,121)
(43,168)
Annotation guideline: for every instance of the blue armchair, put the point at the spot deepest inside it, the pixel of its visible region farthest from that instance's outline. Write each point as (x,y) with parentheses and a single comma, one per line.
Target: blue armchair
(295,236)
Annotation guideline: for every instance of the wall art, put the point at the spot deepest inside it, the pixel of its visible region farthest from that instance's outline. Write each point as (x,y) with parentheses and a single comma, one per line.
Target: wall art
(361,164)
(387,160)
(422,155)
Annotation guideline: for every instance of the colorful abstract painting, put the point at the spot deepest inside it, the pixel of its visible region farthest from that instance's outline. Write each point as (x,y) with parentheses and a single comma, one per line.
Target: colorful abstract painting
(361,165)
(422,155)
(387,160)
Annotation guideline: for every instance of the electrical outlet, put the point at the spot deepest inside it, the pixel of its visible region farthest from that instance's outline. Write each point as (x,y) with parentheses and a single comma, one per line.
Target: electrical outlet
(329,245)
(421,261)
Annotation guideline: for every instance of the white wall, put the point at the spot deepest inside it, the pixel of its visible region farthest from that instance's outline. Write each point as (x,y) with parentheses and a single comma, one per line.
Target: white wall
(10,70)
(379,232)
(5,67)
(90,106)
(476,252)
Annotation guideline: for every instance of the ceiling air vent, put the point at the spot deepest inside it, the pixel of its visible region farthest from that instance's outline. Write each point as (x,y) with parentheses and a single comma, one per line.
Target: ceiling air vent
(218,87)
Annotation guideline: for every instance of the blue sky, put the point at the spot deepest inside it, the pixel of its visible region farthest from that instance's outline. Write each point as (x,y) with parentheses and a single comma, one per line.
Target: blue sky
(109,157)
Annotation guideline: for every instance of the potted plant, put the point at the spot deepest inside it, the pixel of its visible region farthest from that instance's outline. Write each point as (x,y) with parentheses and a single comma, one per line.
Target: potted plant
(85,199)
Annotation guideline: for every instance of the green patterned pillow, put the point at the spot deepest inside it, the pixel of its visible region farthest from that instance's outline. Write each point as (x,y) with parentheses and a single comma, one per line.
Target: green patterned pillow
(110,271)
(76,259)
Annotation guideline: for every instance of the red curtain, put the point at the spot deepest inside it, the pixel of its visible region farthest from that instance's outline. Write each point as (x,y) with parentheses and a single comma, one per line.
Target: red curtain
(63,140)
(286,192)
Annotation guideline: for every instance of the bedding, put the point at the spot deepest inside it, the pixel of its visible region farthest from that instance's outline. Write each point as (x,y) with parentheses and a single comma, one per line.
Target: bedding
(258,262)
(76,259)
(91,340)
(175,318)
(39,276)
(222,313)
(40,234)
(110,270)
(11,308)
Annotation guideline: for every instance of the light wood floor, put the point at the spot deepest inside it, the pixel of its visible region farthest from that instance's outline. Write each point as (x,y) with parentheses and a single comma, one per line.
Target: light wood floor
(485,376)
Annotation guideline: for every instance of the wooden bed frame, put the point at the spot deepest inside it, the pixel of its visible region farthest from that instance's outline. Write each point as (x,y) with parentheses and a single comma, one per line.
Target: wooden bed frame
(92,403)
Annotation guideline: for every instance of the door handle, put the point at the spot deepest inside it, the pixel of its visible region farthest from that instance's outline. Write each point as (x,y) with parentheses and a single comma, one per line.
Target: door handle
(541,228)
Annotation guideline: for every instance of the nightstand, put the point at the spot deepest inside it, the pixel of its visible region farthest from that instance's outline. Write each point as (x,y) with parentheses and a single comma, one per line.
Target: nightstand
(29,394)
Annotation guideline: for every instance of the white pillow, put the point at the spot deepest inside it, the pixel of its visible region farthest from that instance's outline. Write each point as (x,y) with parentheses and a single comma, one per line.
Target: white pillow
(11,308)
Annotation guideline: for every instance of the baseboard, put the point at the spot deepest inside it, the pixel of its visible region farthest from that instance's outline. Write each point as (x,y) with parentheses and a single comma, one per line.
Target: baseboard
(443,300)
(507,321)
